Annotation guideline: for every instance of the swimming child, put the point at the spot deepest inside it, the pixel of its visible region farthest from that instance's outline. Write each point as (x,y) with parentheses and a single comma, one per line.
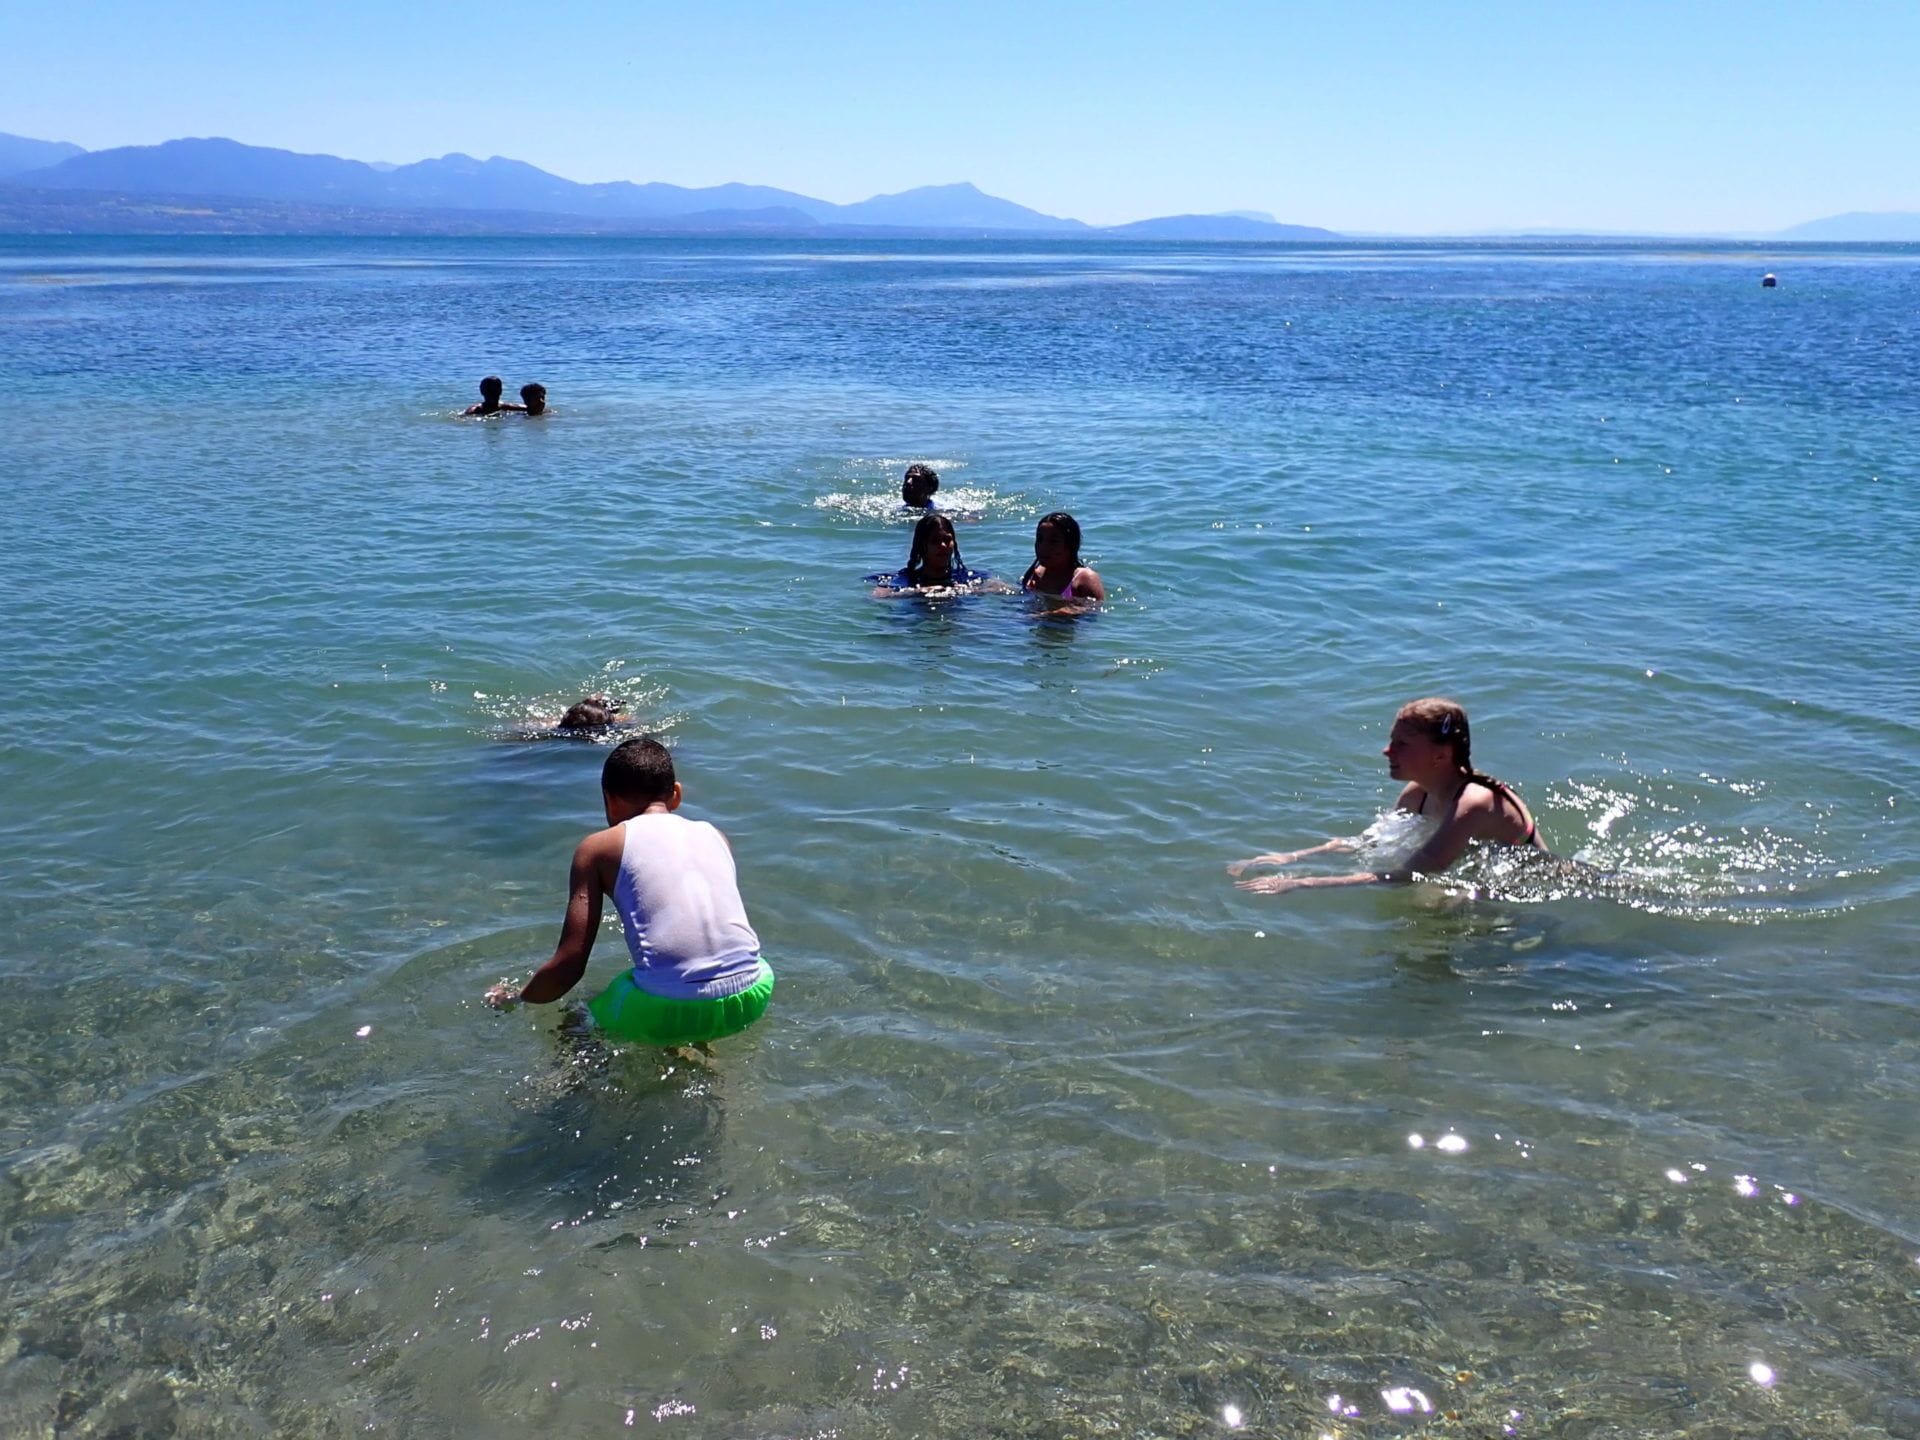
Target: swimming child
(490,388)
(697,974)
(533,398)
(1431,748)
(933,562)
(1056,570)
(594,715)
(917,487)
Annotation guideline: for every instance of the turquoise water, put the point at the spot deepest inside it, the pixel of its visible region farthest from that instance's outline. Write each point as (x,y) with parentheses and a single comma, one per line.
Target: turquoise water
(1050,1130)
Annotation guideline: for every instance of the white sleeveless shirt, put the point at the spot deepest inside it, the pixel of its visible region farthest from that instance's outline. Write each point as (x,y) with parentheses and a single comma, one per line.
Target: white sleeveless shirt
(679,903)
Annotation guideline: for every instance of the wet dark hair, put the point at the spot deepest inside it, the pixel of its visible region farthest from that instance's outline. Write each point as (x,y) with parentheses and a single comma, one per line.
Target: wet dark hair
(491,386)
(596,712)
(1067,528)
(922,533)
(639,771)
(918,477)
(531,389)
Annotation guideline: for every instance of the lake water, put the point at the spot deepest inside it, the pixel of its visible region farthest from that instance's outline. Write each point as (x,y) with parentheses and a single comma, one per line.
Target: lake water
(1050,1131)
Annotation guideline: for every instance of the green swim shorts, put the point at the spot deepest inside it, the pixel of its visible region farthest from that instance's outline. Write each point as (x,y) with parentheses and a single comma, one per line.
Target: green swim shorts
(626,1012)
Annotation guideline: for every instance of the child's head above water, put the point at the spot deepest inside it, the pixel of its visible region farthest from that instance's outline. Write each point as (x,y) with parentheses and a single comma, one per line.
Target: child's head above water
(1442,721)
(917,486)
(534,396)
(595,712)
(933,539)
(1057,530)
(490,388)
(639,773)
(1429,735)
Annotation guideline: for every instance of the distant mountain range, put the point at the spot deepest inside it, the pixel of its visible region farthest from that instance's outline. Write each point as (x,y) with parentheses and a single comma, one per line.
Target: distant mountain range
(220,185)
(1859,226)
(18,153)
(224,187)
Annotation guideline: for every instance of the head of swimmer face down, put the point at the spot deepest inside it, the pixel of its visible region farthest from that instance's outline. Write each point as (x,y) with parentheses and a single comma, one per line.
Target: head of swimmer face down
(595,712)
(1428,735)
(1057,532)
(490,389)
(533,395)
(638,775)
(932,535)
(917,486)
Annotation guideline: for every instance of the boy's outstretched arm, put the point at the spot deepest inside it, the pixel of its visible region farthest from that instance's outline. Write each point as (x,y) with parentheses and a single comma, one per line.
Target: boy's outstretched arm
(585,893)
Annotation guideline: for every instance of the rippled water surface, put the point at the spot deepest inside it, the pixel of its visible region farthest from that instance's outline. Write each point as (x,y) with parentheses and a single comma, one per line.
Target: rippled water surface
(1050,1130)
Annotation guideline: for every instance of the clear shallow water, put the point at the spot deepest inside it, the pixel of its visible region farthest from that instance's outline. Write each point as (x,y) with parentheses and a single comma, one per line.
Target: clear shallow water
(1050,1131)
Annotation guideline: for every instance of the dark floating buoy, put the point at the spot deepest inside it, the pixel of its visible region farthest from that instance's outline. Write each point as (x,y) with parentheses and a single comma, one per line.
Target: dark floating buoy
(1769,282)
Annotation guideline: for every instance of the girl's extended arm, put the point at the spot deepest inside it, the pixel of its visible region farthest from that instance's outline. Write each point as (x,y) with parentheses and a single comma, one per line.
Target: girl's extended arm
(1280,884)
(1240,867)
(1431,858)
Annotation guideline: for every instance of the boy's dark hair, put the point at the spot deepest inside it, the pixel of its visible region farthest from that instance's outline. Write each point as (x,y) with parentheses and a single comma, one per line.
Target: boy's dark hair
(532,388)
(639,771)
(491,386)
(919,480)
(596,712)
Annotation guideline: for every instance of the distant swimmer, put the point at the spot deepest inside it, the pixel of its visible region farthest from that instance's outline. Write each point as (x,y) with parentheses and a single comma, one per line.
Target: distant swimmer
(695,971)
(1445,806)
(1769,281)
(1057,571)
(917,487)
(933,563)
(533,397)
(591,717)
(595,715)
(490,389)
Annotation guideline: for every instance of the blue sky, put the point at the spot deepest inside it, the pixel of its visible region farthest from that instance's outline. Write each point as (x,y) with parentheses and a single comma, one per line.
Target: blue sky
(1401,117)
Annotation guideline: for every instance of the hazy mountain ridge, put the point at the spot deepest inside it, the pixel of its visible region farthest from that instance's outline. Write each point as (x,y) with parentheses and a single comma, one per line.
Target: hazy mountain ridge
(225,185)
(88,212)
(227,170)
(18,154)
(1217,227)
(1862,226)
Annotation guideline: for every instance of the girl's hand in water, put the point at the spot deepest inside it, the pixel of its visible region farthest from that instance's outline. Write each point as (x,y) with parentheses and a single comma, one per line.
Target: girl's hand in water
(503,996)
(1240,867)
(1272,884)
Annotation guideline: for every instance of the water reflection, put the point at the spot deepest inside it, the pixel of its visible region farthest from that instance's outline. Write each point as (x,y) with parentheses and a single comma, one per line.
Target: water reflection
(624,1136)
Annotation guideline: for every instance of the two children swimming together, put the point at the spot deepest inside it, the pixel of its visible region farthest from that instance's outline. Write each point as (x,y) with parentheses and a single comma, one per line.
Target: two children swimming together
(933,559)
(533,400)
(934,563)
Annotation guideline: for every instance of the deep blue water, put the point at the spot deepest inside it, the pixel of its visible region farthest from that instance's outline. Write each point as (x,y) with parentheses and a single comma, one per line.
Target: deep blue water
(1050,1130)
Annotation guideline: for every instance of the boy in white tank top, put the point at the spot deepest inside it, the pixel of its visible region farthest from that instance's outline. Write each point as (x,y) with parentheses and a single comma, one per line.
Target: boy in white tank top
(697,973)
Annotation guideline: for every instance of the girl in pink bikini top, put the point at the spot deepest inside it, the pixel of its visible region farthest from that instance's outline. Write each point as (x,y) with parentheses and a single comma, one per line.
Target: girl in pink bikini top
(1056,570)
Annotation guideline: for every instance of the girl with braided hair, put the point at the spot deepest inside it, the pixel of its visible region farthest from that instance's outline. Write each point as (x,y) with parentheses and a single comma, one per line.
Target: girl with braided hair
(1449,804)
